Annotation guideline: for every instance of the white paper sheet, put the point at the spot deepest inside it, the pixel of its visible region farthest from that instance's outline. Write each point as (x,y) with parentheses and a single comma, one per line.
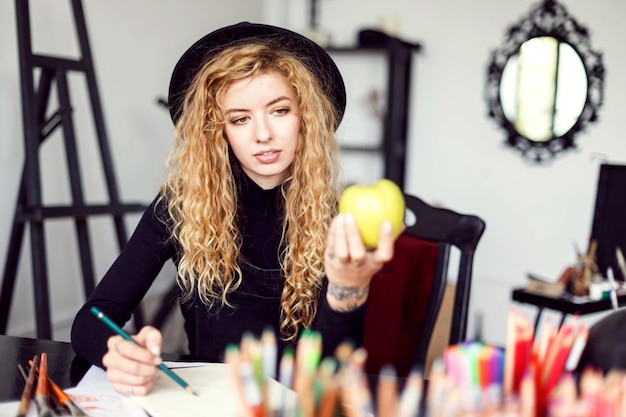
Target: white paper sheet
(96,397)
(217,395)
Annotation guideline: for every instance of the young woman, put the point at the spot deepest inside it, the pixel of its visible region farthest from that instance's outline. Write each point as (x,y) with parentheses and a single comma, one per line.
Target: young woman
(248,211)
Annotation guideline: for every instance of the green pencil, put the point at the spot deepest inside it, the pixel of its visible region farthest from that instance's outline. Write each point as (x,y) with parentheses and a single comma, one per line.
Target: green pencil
(117,329)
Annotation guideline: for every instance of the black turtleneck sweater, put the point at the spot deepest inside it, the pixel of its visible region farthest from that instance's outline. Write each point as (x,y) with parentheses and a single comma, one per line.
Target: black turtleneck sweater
(255,304)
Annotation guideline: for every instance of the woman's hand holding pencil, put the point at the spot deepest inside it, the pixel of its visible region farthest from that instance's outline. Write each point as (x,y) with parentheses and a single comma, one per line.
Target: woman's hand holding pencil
(133,361)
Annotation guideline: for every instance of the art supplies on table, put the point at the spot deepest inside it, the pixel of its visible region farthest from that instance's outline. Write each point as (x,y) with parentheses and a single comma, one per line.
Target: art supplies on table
(520,377)
(532,375)
(529,376)
(50,399)
(316,386)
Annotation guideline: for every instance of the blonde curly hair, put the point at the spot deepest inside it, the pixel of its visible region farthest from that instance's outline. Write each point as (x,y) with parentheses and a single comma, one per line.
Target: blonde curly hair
(201,191)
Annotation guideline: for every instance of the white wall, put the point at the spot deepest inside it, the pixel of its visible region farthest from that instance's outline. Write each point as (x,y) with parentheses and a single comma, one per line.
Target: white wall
(456,153)
(135,45)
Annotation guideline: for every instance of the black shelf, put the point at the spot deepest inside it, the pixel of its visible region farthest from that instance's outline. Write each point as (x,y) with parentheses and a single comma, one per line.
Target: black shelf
(399,54)
(564,304)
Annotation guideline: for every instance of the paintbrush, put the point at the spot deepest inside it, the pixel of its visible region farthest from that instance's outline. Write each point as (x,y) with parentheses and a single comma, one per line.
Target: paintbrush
(62,397)
(28,390)
(65,400)
(42,393)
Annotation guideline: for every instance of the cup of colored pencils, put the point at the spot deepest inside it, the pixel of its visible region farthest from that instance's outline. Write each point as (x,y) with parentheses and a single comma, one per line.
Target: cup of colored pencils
(528,377)
(303,384)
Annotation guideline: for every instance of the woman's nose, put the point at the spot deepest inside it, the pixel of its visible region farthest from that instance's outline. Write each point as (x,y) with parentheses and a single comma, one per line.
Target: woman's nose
(262,131)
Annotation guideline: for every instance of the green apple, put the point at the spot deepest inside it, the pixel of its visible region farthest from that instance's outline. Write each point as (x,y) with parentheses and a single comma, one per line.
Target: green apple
(371,205)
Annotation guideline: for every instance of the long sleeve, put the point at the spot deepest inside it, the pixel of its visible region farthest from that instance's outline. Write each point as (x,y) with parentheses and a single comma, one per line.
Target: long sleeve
(124,285)
(338,326)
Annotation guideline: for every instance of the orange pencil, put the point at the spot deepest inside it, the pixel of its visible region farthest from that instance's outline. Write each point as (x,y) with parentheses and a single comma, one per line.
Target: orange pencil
(387,392)
(328,388)
(330,400)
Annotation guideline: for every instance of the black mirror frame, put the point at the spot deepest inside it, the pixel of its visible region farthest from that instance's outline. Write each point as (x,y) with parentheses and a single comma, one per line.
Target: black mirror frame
(549,18)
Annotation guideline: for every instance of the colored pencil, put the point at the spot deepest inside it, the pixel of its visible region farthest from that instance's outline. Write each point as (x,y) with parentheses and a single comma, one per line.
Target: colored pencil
(233,360)
(577,349)
(522,345)
(285,377)
(387,392)
(117,329)
(411,396)
(251,389)
(269,353)
(327,389)
(562,400)
(437,386)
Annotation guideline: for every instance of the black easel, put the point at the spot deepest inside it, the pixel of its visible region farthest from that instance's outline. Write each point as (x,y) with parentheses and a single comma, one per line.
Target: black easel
(37,127)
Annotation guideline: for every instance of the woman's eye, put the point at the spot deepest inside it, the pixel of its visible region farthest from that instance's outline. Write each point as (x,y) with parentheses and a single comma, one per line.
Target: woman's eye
(239,120)
(280,112)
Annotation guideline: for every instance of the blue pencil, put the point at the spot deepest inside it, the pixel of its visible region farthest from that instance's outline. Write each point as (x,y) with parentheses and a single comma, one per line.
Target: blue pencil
(117,329)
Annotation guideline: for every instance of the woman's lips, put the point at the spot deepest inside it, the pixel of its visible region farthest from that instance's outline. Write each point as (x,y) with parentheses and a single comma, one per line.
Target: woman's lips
(267,157)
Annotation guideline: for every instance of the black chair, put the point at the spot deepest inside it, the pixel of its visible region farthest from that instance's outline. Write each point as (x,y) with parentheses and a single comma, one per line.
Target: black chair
(603,351)
(608,227)
(406,295)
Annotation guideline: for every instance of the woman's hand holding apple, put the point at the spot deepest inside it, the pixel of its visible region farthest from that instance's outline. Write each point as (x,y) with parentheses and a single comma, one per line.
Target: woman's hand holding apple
(361,240)
(349,265)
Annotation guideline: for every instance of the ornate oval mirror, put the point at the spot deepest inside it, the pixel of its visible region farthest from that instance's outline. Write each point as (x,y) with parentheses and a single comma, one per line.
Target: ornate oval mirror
(545,83)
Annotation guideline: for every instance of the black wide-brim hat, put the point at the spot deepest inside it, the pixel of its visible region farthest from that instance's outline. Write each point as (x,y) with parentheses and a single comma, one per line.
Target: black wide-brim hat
(313,56)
